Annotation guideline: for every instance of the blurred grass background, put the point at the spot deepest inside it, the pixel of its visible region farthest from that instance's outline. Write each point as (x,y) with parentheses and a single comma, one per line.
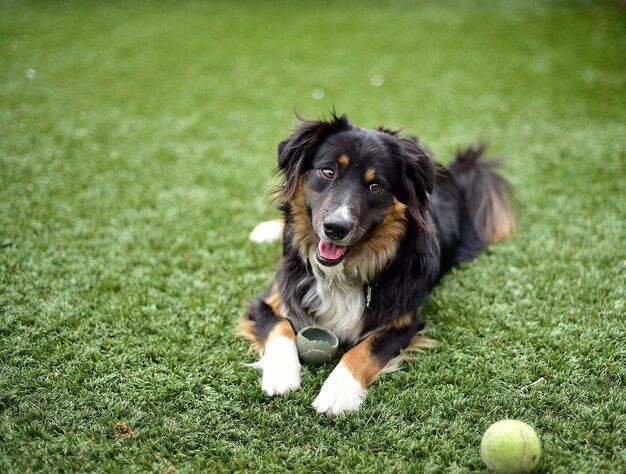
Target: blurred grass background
(137,141)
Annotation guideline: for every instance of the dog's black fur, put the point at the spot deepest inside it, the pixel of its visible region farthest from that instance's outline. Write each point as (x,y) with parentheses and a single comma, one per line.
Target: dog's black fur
(370,208)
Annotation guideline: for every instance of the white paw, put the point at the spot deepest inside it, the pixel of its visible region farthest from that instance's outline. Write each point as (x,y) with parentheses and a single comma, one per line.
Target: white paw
(268,231)
(340,393)
(281,367)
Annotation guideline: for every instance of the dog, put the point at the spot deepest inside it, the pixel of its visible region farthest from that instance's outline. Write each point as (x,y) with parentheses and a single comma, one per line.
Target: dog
(370,224)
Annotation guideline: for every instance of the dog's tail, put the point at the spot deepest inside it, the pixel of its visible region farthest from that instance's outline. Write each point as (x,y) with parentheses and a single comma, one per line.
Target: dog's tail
(487,195)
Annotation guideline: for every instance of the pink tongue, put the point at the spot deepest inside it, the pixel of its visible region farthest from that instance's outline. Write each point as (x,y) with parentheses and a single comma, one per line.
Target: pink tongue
(330,251)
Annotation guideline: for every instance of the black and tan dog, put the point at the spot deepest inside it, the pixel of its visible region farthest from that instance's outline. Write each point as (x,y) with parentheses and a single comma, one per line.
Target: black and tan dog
(371,223)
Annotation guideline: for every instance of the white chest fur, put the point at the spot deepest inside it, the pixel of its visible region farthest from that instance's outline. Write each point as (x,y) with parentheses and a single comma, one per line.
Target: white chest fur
(337,301)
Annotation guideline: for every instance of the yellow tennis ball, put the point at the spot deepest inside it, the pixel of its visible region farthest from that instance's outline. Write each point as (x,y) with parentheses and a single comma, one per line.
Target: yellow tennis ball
(510,447)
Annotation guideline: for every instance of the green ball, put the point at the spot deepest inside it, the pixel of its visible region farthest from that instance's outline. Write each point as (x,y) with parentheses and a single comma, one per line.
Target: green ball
(510,446)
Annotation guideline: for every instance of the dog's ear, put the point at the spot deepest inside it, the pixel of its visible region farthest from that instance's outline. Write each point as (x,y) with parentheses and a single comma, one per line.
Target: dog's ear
(296,151)
(419,179)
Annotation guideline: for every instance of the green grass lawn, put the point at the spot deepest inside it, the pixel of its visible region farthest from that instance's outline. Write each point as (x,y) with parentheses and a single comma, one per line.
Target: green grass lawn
(137,142)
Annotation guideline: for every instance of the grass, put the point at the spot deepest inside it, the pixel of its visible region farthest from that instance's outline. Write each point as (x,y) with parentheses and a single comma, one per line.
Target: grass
(137,140)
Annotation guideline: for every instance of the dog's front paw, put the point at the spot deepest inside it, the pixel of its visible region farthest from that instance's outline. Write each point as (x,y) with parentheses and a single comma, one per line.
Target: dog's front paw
(281,367)
(340,393)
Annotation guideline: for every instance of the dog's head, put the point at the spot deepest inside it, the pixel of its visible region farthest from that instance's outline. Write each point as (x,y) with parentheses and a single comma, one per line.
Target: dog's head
(351,191)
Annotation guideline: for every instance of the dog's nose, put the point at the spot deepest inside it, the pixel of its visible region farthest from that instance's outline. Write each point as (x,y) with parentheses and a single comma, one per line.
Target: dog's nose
(336,229)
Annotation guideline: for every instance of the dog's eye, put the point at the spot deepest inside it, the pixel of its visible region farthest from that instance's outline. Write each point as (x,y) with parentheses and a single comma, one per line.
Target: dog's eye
(376,188)
(328,173)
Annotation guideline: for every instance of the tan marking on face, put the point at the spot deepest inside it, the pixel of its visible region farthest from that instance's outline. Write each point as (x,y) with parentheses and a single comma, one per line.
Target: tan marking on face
(370,256)
(370,174)
(361,364)
(303,235)
(343,160)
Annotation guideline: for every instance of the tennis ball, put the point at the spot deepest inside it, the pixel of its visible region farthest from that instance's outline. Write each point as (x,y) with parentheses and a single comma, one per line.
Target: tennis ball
(316,345)
(510,446)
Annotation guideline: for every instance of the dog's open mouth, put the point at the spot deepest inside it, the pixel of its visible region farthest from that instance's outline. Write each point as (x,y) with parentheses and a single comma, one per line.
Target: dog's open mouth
(329,253)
